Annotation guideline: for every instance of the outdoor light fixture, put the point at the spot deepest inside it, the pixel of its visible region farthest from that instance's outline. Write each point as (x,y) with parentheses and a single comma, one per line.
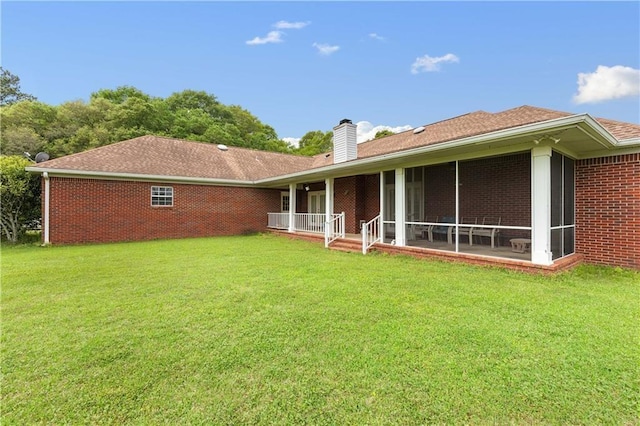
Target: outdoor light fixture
(306,187)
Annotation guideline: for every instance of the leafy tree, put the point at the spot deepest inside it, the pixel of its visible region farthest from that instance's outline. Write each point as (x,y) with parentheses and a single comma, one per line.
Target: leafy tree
(19,195)
(24,126)
(18,140)
(315,142)
(198,100)
(120,95)
(113,115)
(383,133)
(10,89)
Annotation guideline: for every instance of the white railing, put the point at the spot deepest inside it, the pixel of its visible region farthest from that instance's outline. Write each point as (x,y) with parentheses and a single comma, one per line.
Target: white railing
(309,222)
(303,222)
(334,229)
(371,233)
(278,220)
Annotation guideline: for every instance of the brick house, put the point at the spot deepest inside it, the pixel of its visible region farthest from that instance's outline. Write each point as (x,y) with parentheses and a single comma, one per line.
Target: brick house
(528,188)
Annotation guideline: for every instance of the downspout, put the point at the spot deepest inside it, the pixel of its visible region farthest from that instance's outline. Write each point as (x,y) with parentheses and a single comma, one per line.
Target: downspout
(45,213)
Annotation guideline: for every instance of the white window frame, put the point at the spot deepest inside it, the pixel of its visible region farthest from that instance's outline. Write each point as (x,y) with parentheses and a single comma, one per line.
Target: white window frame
(285,201)
(162,196)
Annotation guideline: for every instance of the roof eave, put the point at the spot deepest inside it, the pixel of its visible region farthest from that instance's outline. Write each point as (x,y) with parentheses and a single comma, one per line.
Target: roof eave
(138,177)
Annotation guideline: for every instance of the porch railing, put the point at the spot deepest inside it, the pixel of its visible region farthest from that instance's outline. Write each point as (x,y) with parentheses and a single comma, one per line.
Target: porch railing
(305,222)
(371,233)
(334,229)
(309,222)
(278,220)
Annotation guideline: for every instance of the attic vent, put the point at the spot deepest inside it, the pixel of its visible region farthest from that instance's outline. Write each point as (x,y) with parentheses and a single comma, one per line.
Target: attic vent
(222,147)
(418,130)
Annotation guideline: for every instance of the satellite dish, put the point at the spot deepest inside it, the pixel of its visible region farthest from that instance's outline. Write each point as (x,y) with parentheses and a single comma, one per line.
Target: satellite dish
(41,156)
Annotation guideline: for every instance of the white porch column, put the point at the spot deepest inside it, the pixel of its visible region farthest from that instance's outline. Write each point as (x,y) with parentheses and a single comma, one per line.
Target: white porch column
(401,232)
(382,200)
(292,207)
(328,186)
(541,205)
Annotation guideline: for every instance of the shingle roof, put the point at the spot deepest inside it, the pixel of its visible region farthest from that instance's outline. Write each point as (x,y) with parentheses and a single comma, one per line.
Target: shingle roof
(473,124)
(160,156)
(620,129)
(154,155)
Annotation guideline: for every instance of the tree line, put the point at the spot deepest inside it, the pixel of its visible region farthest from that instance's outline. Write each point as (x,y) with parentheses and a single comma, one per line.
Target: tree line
(113,115)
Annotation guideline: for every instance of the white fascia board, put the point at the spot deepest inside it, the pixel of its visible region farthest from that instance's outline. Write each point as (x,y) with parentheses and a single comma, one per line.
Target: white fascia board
(629,142)
(137,177)
(555,124)
(609,141)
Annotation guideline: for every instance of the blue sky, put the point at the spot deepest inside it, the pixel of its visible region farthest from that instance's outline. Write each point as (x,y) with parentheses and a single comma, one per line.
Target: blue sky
(301,66)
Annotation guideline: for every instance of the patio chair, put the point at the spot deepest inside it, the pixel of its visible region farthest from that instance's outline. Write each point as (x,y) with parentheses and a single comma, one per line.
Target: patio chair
(423,230)
(440,230)
(463,230)
(487,232)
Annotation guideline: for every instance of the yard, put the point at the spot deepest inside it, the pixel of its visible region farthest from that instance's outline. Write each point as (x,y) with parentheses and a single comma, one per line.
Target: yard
(264,330)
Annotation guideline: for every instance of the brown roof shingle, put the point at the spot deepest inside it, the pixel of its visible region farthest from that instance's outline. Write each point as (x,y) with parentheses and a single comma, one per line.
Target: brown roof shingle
(154,155)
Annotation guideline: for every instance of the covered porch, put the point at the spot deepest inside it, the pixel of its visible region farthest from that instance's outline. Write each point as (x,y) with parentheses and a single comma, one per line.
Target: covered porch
(516,205)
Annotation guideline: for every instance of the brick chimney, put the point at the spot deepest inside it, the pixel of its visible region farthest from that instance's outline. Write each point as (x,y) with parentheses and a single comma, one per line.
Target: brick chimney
(345,146)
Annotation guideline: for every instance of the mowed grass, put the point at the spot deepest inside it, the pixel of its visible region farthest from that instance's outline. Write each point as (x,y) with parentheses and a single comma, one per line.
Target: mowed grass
(265,330)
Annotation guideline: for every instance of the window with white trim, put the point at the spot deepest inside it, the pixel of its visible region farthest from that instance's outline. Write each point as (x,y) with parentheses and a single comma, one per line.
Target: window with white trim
(284,202)
(162,196)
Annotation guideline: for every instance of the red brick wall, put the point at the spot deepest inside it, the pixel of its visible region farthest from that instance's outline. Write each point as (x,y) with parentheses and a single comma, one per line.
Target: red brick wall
(359,197)
(371,197)
(497,186)
(344,200)
(493,187)
(91,210)
(608,210)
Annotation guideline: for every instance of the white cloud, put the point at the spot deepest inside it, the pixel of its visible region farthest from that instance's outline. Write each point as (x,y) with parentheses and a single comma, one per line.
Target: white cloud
(272,37)
(292,141)
(366,131)
(284,25)
(607,83)
(376,37)
(428,64)
(325,49)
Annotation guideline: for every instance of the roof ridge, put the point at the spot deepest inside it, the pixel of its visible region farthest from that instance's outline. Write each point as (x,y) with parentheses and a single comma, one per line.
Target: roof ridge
(532,107)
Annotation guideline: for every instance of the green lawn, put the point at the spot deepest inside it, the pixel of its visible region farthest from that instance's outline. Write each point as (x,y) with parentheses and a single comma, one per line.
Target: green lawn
(266,330)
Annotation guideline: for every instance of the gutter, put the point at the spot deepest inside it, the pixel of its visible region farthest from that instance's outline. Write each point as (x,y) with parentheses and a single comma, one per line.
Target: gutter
(137,176)
(629,142)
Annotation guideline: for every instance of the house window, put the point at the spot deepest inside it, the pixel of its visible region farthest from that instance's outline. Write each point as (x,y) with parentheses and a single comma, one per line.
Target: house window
(162,196)
(284,202)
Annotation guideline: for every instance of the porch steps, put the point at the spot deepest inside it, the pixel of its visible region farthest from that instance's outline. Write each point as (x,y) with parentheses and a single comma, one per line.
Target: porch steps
(347,245)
